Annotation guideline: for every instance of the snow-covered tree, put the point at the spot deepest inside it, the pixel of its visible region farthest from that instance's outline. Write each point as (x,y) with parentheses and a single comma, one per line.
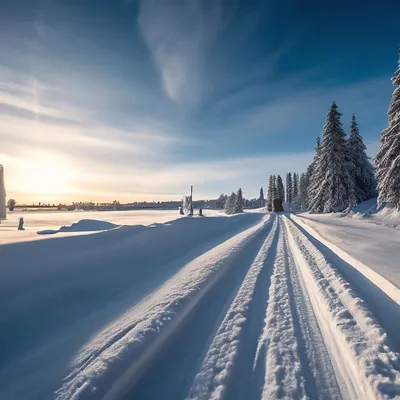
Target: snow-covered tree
(388,158)
(261,198)
(220,202)
(11,204)
(310,170)
(331,185)
(361,168)
(239,202)
(289,187)
(295,191)
(280,190)
(230,204)
(302,198)
(272,188)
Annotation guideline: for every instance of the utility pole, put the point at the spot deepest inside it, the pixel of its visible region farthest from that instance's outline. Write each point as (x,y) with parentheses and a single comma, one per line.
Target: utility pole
(191,199)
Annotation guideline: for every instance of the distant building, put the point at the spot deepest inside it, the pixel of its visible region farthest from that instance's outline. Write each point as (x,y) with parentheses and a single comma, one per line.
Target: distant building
(3,204)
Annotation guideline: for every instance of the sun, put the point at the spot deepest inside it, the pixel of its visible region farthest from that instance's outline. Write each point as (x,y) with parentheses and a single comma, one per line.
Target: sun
(44,174)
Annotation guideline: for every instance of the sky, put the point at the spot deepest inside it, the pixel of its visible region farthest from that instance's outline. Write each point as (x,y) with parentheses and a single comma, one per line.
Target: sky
(137,99)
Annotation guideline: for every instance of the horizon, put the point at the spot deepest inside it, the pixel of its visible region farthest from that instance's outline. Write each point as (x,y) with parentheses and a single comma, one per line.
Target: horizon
(137,100)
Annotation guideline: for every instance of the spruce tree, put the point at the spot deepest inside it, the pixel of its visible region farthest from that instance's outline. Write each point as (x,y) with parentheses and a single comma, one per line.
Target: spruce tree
(302,198)
(230,204)
(331,184)
(388,158)
(239,202)
(310,170)
(220,202)
(361,168)
(295,191)
(262,201)
(270,189)
(280,190)
(289,188)
(273,187)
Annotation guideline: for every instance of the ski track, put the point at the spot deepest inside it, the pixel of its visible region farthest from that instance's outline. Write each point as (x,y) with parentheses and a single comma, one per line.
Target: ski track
(271,313)
(284,376)
(105,369)
(218,365)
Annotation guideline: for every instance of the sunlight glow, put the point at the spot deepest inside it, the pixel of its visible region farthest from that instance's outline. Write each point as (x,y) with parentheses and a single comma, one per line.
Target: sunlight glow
(44,174)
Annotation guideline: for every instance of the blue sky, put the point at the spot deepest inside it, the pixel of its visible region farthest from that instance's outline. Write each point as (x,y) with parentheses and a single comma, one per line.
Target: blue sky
(137,99)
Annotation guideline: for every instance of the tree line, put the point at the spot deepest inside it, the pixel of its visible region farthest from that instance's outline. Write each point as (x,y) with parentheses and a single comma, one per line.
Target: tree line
(341,174)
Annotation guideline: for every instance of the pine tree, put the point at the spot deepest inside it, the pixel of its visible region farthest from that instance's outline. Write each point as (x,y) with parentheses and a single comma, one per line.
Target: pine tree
(310,170)
(262,200)
(270,189)
(230,204)
(388,158)
(361,168)
(289,188)
(239,202)
(331,184)
(295,191)
(220,202)
(280,190)
(302,198)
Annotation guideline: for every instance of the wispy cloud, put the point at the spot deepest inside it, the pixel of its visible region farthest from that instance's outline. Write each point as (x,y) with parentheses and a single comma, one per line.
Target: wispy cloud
(178,35)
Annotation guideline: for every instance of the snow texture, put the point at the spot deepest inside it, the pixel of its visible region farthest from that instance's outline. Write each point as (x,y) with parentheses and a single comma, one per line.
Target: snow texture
(255,305)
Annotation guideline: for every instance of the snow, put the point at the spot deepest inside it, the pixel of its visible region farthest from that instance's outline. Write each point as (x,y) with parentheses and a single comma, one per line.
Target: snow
(368,211)
(369,360)
(374,245)
(68,289)
(217,365)
(35,221)
(84,225)
(148,305)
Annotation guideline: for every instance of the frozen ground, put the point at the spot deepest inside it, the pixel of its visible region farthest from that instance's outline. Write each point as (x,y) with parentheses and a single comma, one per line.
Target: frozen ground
(253,306)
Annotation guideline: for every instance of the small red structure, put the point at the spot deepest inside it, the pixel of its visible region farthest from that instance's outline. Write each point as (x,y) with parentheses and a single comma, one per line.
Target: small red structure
(278,205)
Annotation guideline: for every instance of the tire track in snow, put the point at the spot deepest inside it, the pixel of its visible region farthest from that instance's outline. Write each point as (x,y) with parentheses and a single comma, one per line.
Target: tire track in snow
(278,351)
(292,361)
(320,379)
(155,322)
(173,369)
(383,301)
(357,343)
(225,361)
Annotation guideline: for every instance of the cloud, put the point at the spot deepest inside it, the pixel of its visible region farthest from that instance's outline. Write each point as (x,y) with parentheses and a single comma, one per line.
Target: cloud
(178,35)
(164,181)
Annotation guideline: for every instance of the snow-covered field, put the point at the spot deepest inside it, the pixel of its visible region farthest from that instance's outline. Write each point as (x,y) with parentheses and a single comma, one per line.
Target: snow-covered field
(252,306)
(40,221)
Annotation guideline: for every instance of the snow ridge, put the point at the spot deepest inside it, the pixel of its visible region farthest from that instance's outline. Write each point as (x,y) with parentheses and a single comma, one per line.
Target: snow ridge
(356,341)
(216,369)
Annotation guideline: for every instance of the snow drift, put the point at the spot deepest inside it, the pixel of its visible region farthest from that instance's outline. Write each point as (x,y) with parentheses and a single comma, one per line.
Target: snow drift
(84,225)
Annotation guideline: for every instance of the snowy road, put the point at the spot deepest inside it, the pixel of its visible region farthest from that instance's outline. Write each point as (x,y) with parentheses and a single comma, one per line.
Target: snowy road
(263,312)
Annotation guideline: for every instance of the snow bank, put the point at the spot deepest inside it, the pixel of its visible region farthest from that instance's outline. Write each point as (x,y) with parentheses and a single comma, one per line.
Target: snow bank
(391,290)
(369,211)
(84,225)
(358,345)
(368,247)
